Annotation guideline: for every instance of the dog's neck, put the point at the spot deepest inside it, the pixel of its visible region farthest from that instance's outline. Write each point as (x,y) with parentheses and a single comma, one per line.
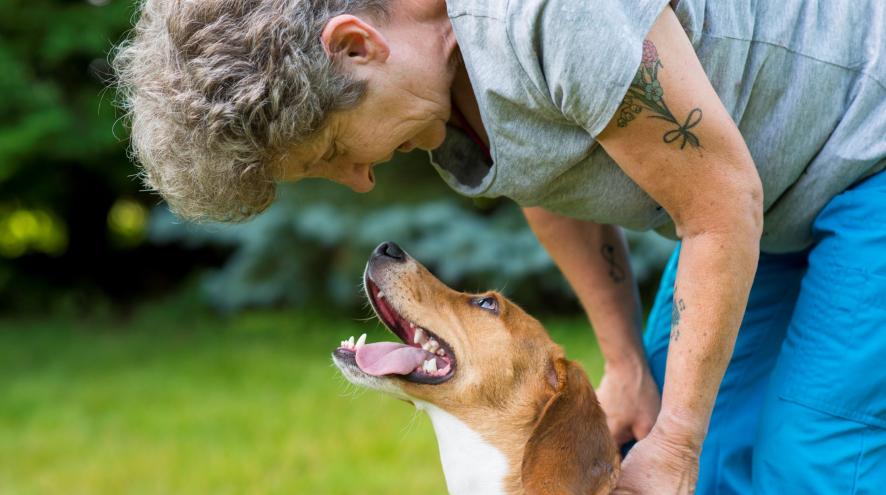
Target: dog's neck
(497,451)
(471,465)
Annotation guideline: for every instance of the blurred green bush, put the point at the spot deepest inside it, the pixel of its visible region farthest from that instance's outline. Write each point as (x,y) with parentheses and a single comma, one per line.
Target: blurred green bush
(311,246)
(52,65)
(63,164)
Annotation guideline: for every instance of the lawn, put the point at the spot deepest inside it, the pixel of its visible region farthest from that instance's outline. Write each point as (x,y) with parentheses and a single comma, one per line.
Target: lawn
(174,400)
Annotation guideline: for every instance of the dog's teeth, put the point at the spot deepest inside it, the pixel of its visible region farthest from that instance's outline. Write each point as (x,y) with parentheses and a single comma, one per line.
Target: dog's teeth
(430,366)
(380,295)
(419,336)
(441,352)
(351,342)
(360,341)
(342,344)
(431,345)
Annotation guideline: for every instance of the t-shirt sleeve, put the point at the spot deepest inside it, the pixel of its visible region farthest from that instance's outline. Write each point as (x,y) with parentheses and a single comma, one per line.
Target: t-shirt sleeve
(583,54)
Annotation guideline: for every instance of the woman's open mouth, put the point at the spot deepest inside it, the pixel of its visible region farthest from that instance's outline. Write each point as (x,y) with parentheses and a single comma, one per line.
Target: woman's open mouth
(423,357)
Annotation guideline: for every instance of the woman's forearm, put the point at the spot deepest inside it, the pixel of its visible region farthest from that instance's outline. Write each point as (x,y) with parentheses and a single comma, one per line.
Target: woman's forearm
(594,259)
(714,277)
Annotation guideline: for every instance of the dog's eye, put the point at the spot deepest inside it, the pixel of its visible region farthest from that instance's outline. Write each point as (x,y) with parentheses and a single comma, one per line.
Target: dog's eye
(487,303)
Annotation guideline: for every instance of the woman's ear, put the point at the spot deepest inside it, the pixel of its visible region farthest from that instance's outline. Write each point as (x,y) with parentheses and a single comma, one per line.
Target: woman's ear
(348,39)
(570,450)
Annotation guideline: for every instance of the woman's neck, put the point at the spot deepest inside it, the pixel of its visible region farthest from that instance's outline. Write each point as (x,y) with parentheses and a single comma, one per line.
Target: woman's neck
(467,112)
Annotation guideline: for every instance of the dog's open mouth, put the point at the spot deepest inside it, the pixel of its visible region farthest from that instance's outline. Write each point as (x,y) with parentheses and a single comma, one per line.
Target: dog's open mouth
(423,357)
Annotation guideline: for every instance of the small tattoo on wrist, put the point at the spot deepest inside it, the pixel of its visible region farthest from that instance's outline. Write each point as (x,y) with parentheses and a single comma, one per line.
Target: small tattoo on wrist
(676,314)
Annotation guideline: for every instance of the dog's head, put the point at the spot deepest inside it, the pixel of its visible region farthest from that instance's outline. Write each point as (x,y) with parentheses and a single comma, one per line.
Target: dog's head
(475,344)
(485,360)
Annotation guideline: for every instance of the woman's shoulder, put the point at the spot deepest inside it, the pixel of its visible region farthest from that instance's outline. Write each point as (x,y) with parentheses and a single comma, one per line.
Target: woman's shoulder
(581,54)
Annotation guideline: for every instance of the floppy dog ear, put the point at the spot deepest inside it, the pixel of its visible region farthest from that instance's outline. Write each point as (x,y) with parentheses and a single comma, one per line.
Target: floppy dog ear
(570,450)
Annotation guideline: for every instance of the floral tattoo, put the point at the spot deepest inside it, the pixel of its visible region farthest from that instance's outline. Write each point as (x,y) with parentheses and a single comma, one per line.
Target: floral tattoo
(646,92)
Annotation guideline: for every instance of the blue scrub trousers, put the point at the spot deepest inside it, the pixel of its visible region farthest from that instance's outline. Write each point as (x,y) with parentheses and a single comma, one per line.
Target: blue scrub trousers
(802,408)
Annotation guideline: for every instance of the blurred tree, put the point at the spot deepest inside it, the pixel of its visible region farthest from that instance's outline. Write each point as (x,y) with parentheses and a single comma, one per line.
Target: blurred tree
(62,168)
(52,65)
(311,246)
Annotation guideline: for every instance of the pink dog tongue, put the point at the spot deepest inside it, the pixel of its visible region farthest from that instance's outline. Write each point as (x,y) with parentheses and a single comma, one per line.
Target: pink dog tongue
(385,358)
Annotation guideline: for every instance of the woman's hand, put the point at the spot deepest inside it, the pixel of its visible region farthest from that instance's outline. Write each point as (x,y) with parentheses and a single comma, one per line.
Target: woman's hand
(659,464)
(631,400)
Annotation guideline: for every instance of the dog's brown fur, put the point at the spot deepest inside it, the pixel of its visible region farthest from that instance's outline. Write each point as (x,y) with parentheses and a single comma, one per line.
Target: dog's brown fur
(512,385)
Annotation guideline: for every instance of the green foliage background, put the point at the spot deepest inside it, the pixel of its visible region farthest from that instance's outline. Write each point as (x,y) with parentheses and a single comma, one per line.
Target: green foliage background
(62,167)
(51,112)
(317,232)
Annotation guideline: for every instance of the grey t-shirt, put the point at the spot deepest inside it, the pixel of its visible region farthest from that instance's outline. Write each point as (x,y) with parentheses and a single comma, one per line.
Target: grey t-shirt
(804,80)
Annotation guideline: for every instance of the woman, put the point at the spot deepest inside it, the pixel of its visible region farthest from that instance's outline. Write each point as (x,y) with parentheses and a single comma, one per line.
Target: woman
(591,115)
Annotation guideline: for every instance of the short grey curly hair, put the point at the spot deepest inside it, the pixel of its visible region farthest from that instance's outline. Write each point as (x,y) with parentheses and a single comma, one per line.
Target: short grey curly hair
(217,90)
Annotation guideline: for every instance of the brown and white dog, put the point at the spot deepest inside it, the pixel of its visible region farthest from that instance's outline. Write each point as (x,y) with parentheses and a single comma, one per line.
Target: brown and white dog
(512,415)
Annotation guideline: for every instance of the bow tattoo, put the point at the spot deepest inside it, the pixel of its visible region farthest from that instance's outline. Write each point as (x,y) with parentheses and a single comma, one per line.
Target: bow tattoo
(646,92)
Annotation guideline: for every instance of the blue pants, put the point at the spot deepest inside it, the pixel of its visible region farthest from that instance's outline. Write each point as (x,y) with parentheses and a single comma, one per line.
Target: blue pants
(802,408)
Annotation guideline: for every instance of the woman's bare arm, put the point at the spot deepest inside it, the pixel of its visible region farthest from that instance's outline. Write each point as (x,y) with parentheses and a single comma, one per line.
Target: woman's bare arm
(594,259)
(683,148)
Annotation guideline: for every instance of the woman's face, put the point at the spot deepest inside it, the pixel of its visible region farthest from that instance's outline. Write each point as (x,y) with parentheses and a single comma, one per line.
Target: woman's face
(357,140)
(409,66)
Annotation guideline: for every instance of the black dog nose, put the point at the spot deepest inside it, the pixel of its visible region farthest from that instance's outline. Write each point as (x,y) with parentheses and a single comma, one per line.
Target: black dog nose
(390,250)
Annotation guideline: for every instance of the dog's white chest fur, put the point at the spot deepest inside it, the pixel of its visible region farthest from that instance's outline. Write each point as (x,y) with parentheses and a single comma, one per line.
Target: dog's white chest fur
(471,465)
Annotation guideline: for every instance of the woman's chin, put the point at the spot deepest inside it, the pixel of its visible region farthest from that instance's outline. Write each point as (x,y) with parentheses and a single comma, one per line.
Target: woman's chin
(435,137)
(363,188)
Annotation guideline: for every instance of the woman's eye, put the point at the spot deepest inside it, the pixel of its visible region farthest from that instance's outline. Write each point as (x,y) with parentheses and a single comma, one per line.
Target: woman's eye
(487,303)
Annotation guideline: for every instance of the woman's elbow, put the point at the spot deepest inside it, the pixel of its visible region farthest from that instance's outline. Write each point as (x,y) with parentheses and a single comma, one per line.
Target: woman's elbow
(751,203)
(734,210)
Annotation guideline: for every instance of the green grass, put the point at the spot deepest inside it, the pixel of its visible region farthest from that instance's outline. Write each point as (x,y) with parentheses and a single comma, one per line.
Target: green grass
(174,400)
